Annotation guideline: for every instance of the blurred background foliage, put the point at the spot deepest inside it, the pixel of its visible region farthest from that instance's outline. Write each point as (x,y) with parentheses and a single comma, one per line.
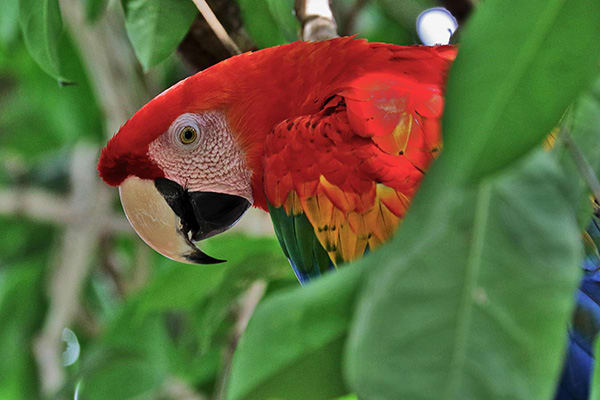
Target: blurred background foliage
(147,327)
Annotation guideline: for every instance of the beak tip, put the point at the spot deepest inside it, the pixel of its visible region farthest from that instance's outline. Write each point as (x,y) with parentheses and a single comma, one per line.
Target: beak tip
(199,257)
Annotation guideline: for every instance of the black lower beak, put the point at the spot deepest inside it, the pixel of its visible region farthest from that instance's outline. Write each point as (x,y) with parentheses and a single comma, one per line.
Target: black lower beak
(202,214)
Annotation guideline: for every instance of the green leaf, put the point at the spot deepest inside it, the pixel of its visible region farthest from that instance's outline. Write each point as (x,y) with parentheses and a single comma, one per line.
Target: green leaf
(269,22)
(21,312)
(255,258)
(9,22)
(181,286)
(377,25)
(156,27)
(131,360)
(595,386)
(63,115)
(41,25)
(405,12)
(508,87)
(293,346)
(474,294)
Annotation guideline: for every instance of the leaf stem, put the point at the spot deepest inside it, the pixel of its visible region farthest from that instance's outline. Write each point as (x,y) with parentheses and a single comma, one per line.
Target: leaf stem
(582,164)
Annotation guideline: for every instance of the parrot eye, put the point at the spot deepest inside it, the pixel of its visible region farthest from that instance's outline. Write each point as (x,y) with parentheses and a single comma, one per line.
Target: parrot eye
(188,135)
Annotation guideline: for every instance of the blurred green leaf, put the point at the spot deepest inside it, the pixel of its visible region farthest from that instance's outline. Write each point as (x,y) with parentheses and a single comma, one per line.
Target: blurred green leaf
(94,9)
(181,286)
(23,239)
(9,22)
(269,22)
(484,278)
(133,361)
(21,310)
(502,102)
(348,397)
(254,259)
(584,127)
(293,346)
(156,27)
(41,25)
(405,12)
(33,99)
(595,385)
(376,25)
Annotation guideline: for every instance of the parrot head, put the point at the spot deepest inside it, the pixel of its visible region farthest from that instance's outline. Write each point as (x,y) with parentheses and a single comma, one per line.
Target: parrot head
(182,175)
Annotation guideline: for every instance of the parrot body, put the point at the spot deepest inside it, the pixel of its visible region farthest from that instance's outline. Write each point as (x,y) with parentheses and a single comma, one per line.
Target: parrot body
(331,138)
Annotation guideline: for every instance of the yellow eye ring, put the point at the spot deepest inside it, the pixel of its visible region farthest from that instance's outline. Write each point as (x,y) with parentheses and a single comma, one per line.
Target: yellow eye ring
(188,135)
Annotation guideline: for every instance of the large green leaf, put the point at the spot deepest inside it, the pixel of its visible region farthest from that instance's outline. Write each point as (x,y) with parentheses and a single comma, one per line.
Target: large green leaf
(292,348)
(474,294)
(156,27)
(269,22)
(518,68)
(41,25)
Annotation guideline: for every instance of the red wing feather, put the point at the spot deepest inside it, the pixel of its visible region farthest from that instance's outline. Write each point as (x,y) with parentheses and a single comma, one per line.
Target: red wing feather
(347,176)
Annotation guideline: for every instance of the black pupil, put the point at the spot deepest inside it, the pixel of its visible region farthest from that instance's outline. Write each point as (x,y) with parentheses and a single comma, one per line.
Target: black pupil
(188,134)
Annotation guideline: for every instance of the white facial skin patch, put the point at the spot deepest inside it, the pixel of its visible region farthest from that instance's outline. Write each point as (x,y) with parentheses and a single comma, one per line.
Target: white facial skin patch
(209,161)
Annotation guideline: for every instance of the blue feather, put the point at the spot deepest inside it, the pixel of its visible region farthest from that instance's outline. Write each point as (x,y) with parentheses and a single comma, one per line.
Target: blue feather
(579,361)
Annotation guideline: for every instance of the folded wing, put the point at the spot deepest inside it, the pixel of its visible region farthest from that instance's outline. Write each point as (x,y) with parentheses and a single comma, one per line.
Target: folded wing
(338,182)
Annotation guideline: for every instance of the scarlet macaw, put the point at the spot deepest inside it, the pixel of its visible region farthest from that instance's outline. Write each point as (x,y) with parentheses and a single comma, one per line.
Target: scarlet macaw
(331,138)
(333,144)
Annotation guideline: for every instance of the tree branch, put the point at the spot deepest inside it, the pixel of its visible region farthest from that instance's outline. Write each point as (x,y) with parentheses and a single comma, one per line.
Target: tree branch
(88,204)
(43,206)
(248,304)
(216,26)
(349,20)
(316,19)
(201,48)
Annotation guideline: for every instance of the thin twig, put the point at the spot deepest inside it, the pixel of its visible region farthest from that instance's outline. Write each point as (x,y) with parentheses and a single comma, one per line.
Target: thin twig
(249,301)
(316,19)
(108,265)
(582,164)
(216,26)
(177,388)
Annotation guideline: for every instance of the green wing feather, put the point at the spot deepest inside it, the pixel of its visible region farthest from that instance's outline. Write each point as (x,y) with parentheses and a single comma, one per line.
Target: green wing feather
(300,244)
